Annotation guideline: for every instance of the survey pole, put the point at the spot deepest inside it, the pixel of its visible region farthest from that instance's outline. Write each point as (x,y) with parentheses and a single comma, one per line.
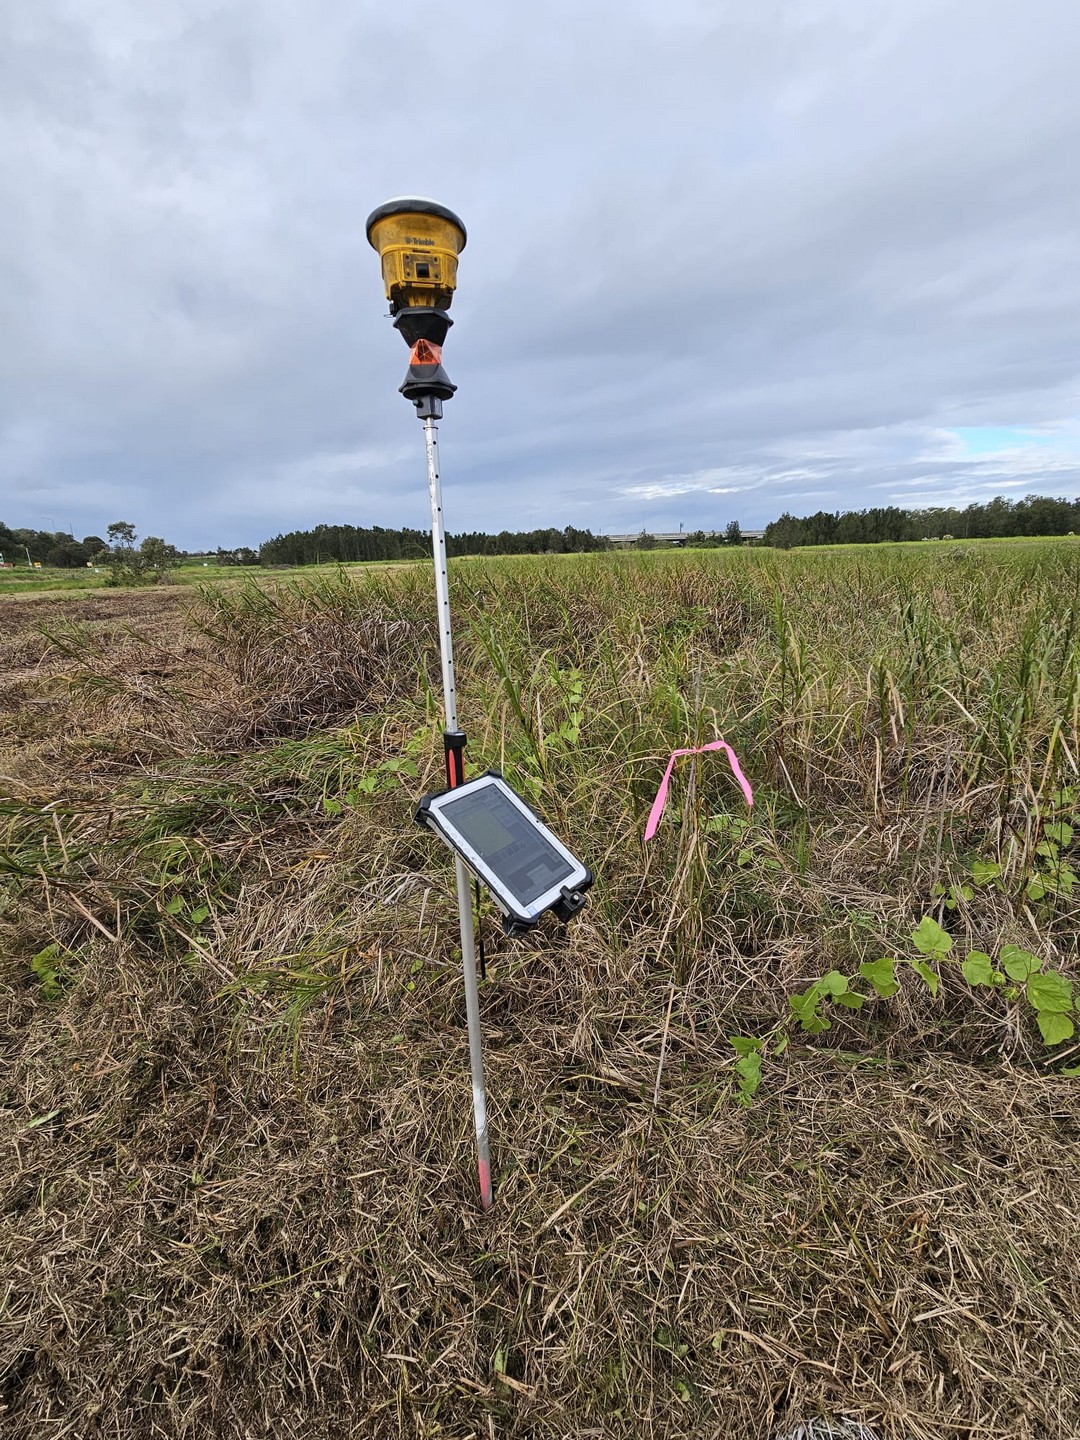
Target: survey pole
(454,741)
(418,242)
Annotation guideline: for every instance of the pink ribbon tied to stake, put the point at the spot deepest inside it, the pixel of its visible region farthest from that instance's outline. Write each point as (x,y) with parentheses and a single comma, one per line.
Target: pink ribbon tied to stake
(661,794)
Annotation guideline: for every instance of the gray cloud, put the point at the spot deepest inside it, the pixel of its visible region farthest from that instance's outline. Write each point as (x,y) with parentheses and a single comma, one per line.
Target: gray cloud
(723,259)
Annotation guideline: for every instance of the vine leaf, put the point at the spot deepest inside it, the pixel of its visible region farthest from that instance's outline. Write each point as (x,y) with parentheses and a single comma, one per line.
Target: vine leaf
(1055,1027)
(806,1010)
(748,1066)
(850,1000)
(984,871)
(977,968)
(928,974)
(1019,964)
(930,939)
(881,975)
(833,984)
(745,1044)
(1050,994)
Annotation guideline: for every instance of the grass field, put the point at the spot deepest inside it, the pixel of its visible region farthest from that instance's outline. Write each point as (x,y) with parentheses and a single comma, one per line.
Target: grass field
(239,1189)
(25,581)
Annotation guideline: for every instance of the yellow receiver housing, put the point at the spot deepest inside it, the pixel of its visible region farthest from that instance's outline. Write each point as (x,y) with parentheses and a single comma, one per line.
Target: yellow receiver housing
(418,242)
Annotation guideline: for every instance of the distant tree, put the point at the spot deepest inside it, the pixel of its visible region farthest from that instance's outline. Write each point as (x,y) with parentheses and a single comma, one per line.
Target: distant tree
(820,528)
(145,564)
(732,533)
(120,555)
(66,553)
(645,541)
(785,532)
(157,558)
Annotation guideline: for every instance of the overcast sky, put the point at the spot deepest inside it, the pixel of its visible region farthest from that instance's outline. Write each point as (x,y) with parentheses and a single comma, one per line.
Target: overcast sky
(724,259)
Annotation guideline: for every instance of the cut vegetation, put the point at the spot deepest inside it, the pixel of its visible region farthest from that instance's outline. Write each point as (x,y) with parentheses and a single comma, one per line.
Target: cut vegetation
(783,1126)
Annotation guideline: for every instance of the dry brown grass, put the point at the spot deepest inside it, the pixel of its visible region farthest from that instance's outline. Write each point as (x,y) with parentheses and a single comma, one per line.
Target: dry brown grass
(238,1196)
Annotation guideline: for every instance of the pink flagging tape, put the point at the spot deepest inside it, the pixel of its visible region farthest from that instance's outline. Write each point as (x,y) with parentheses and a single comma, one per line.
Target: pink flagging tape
(661,794)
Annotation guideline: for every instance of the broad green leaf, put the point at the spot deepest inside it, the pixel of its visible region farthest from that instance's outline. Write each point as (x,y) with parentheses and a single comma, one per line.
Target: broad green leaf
(804,1005)
(175,905)
(1050,993)
(1060,831)
(928,974)
(1019,964)
(1055,1028)
(331,806)
(881,975)
(984,872)
(806,1009)
(198,916)
(977,968)
(1072,1071)
(745,1044)
(832,984)
(401,766)
(929,938)
(850,1000)
(46,965)
(1036,890)
(749,1068)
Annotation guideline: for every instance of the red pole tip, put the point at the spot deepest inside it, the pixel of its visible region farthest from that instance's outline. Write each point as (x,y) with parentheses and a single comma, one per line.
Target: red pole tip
(486,1198)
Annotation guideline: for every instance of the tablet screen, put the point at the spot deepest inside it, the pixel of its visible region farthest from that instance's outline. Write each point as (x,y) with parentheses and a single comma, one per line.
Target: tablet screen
(508,841)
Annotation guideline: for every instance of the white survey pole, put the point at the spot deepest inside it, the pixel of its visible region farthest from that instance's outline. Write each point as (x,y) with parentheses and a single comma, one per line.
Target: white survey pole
(465,910)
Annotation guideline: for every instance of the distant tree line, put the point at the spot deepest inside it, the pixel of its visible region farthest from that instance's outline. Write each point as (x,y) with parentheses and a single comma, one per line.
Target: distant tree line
(998,518)
(49,547)
(127,563)
(357,542)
